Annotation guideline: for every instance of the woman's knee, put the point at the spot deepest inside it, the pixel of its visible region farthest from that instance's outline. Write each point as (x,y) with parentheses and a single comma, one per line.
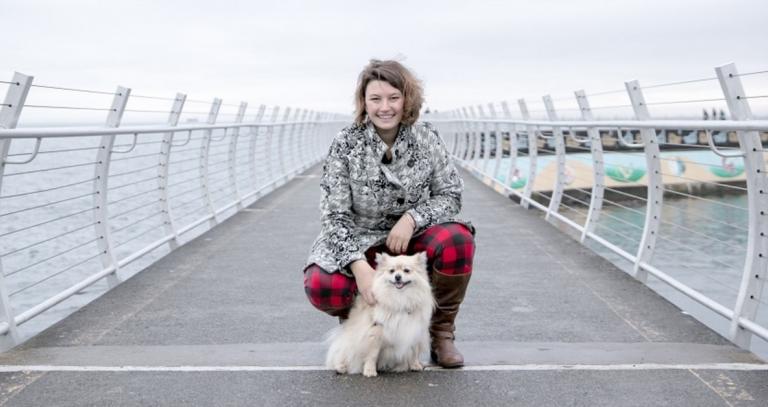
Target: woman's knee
(332,293)
(453,248)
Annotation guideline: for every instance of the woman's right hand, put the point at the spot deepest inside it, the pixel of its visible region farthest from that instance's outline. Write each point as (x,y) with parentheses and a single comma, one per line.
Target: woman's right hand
(363,273)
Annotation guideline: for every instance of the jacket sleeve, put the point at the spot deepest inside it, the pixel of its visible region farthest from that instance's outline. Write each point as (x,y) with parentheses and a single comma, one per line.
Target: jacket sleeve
(445,187)
(336,206)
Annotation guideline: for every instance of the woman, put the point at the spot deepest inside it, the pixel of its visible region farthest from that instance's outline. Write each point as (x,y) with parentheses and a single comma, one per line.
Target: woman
(389,185)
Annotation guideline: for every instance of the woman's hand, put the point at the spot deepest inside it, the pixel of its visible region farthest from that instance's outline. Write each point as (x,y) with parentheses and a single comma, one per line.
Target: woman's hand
(363,273)
(400,235)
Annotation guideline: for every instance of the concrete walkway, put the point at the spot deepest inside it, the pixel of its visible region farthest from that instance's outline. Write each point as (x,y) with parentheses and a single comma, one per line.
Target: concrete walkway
(224,321)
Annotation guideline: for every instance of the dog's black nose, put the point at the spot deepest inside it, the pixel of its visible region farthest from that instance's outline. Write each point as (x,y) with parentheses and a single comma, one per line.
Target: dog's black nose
(398,277)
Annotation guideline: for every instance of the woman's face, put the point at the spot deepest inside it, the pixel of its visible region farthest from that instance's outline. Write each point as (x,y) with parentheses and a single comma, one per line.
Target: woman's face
(384,105)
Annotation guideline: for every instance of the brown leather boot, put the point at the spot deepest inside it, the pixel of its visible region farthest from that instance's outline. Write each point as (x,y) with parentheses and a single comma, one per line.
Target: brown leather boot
(449,293)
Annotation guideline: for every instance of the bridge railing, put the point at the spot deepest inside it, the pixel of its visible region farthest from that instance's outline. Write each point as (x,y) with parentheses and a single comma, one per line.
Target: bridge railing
(584,179)
(84,205)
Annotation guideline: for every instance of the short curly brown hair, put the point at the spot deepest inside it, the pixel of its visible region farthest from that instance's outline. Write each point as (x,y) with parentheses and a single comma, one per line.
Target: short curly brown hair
(399,77)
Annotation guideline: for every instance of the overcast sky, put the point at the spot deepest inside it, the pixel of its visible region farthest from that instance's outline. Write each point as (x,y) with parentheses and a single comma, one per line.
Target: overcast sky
(308,53)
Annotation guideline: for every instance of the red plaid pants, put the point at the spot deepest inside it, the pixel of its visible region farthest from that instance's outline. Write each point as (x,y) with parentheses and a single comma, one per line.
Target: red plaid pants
(450,248)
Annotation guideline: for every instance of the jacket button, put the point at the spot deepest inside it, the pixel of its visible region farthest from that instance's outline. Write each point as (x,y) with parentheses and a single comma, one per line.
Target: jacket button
(400,201)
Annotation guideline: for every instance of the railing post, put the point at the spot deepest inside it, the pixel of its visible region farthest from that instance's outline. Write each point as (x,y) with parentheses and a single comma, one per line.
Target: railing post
(101,187)
(477,132)
(533,153)
(655,182)
(598,167)
(205,148)
(486,133)
(756,261)
(10,111)
(466,136)
(559,186)
(163,168)
(252,146)
(497,137)
(512,131)
(281,144)
(232,155)
(269,157)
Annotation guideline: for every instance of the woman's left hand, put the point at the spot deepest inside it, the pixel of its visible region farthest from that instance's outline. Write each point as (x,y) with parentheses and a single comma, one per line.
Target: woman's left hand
(400,235)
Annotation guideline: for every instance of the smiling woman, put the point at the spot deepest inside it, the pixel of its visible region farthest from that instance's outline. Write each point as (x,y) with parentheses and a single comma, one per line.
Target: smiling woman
(389,186)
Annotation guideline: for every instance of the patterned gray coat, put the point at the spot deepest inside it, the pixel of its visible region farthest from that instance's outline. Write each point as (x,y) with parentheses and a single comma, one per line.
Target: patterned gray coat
(362,198)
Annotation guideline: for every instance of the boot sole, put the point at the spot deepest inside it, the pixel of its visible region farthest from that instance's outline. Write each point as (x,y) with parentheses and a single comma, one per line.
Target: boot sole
(433,356)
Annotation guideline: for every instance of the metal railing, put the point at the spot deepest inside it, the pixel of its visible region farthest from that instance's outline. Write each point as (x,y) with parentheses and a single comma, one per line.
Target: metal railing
(585,181)
(80,204)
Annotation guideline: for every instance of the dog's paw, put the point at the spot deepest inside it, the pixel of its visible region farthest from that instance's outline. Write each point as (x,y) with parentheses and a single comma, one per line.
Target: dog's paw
(340,368)
(370,371)
(416,366)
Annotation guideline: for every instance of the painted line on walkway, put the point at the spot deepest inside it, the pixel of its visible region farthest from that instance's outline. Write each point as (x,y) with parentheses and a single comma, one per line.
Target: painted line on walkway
(480,368)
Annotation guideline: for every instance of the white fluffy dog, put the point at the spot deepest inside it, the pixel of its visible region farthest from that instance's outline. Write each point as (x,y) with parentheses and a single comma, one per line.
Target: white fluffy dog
(393,333)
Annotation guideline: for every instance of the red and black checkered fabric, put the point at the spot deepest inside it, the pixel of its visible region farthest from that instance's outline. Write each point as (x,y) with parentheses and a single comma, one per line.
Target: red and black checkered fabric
(450,249)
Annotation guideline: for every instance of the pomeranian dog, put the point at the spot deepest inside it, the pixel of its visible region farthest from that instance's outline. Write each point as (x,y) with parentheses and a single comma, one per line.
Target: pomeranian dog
(390,335)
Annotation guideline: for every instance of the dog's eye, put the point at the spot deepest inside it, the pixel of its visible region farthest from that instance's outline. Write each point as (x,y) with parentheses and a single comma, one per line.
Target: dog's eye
(407,270)
(391,271)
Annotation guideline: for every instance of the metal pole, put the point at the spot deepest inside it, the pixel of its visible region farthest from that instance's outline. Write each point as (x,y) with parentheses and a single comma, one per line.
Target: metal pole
(512,131)
(497,138)
(598,167)
(10,111)
(101,187)
(655,182)
(559,186)
(163,168)
(756,261)
(205,148)
(232,155)
(533,150)
(255,131)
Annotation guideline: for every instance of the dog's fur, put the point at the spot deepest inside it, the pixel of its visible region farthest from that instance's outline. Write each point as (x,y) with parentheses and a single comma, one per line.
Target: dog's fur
(390,335)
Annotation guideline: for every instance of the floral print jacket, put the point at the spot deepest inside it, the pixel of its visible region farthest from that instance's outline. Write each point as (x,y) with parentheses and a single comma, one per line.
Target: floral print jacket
(362,197)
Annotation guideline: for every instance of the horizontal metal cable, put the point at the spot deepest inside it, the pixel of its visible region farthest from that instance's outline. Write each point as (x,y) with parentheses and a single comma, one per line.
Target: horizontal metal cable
(750,73)
(142,206)
(182,150)
(661,85)
(607,92)
(64,167)
(200,113)
(29,266)
(176,173)
(755,97)
(188,213)
(227,185)
(705,255)
(198,198)
(706,182)
(11,83)
(586,204)
(114,188)
(705,199)
(583,213)
(229,196)
(704,235)
(677,102)
(55,274)
(46,222)
(626,222)
(140,143)
(119,174)
(47,204)
(186,191)
(149,111)
(68,150)
(133,157)
(154,97)
(99,92)
(217,171)
(134,223)
(46,189)
(609,107)
(14,251)
(624,235)
(639,212)
(195,158)
(136,236)
(133,195)
(99,109)
(216,154)
(706,275)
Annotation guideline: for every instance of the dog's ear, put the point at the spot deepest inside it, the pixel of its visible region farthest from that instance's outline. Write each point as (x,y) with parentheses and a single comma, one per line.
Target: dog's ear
(422,258)
(380,258)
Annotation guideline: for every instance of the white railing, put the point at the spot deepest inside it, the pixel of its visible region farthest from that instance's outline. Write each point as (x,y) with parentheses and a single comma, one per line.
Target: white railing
(578,192)
(80,204)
